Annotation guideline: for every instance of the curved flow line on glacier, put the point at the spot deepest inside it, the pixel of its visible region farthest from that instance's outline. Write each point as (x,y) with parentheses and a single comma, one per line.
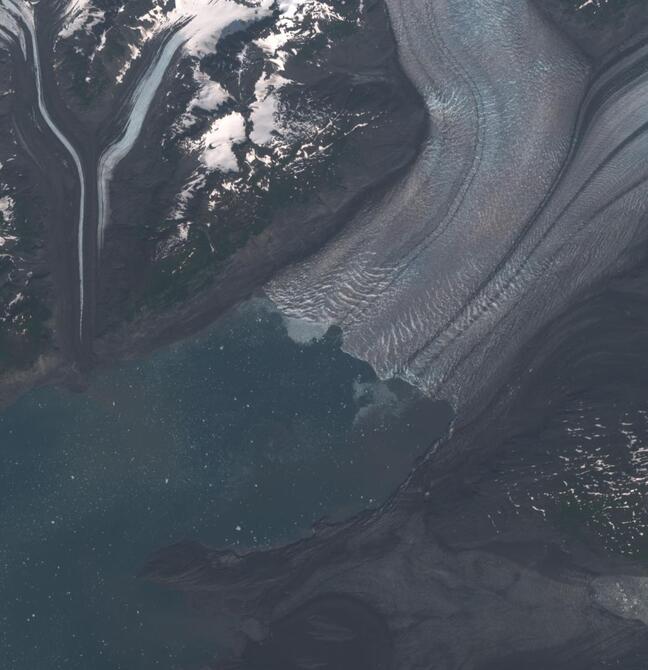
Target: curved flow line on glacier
(23,13)
(599,92)
(454,63)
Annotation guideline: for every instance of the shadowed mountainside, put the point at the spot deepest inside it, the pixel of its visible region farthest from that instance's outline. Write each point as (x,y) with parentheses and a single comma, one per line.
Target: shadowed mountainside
(217,142)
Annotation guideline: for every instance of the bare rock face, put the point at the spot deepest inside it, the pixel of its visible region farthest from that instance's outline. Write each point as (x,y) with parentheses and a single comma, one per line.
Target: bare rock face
(201,144)
(511,545)
(507,214)
(415,585)
(200,149)
(517,543)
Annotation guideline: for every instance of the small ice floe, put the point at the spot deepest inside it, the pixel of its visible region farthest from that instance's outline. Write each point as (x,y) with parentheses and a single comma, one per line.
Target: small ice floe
(302,331)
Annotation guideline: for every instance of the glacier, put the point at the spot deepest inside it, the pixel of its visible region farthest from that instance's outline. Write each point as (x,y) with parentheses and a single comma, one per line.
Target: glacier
(530,187)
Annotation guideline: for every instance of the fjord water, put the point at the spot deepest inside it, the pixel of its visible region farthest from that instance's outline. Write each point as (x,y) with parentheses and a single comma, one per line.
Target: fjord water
(241,437)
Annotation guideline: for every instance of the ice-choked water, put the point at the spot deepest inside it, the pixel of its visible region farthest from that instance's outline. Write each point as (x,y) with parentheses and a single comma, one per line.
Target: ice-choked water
(531,185)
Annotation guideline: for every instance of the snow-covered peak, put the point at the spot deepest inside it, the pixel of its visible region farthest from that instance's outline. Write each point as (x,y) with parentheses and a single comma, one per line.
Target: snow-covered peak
(78,16)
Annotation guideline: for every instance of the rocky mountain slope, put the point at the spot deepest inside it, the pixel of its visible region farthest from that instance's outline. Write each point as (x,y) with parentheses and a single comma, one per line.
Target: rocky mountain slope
(214,142)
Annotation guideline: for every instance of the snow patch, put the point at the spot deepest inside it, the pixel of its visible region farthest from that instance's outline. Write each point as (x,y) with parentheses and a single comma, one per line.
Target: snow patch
(7,211)
(290,26)
(264,111)
(206,19)
(210,97)
(195,183)
(80,15)
(219,140)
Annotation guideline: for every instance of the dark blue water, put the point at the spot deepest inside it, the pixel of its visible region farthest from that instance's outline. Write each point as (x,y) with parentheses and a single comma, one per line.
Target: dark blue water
(238,438)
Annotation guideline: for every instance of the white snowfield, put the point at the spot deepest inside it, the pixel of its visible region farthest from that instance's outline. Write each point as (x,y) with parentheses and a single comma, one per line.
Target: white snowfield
(195,26)
(192,26)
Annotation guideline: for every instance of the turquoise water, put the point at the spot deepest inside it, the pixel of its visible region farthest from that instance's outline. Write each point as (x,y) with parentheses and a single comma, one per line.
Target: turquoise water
(238,438)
